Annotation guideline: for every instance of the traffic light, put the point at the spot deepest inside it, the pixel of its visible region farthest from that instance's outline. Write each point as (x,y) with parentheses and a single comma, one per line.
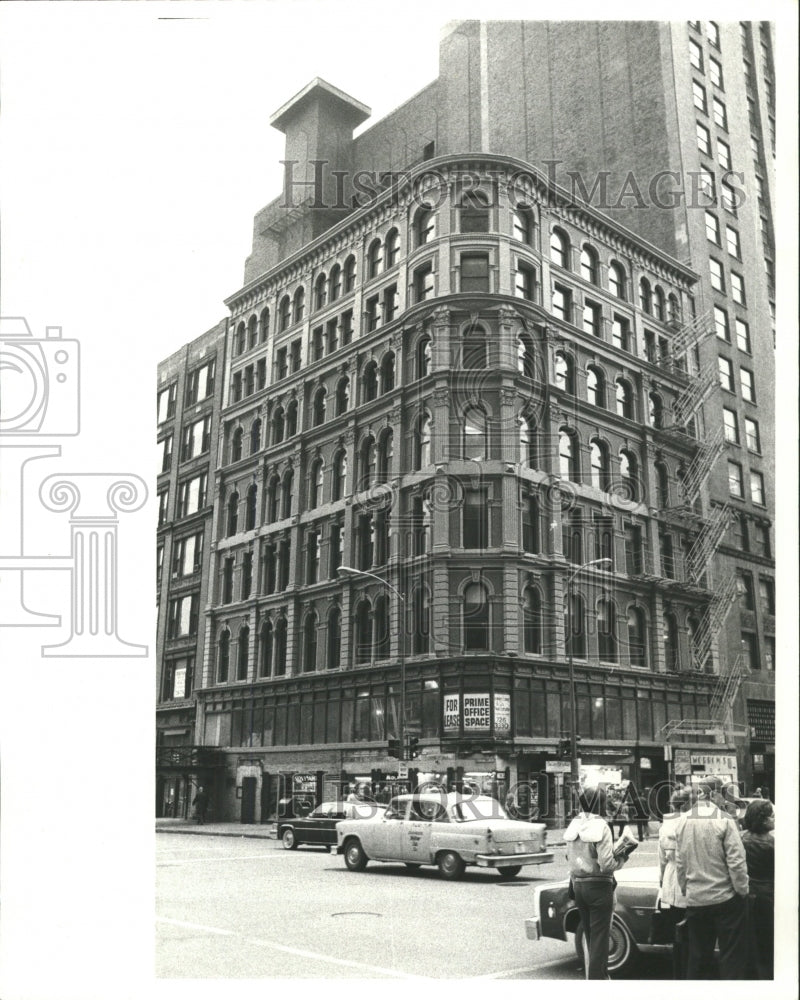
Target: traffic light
(395,750)
(565,747)
(412,747)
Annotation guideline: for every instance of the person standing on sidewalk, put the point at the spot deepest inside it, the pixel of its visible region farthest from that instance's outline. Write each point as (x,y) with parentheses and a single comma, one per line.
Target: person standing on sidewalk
(201,805)
(759,847)
(590,853)
(673,902)
(712,874)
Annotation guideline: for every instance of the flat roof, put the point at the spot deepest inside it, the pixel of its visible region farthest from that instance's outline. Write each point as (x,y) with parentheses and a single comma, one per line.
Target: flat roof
(319,88)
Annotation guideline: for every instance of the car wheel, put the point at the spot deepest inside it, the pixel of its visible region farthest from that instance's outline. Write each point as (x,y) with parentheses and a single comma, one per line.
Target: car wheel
(621,949)
(451,866)
(509,871)
(354,856)
(289,839)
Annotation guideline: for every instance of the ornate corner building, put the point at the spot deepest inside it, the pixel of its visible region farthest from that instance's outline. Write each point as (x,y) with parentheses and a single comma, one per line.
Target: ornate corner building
(520,423)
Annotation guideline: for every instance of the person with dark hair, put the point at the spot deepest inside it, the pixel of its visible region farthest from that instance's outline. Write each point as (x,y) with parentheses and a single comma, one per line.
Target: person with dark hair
(592,863)
(759,848)
(201,804)
(712,874)
(672,900)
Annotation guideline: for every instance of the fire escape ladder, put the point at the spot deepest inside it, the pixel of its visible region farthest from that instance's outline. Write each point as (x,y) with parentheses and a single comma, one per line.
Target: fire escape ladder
(727,686)
(705,545)
(705,638)
(692,333)
(694,395)
(700,467)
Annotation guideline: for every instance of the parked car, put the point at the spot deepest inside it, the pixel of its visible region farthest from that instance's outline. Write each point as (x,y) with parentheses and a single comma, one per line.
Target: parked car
(319,827)
(446,829)
(555,916)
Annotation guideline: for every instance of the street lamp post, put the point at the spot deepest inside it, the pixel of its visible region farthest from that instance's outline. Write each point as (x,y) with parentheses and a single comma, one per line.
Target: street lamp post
(349,571)
(573,706)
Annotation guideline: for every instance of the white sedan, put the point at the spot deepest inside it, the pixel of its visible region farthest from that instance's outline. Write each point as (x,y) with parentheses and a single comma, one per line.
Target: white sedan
(445,829)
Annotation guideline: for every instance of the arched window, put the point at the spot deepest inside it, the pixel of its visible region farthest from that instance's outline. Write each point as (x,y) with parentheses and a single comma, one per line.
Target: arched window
(298,304)
(616,280)
(370,381)
(674,309)
(240,341)
(291,418)
(310,642)
(474,213)
(349,274)
(236,444)
(342,395)
(374,259)
(599,464)
(522,224)
(607,630)
(421,623)
(265,649)
(568,455)
(280,647)
(532,620)
(637,636)
(624,399)
(318,409)
(339,485)
(315,482)
(572,537)
(565,374)
(422,442)
(288,482)
(629,473)
(252,332)
(595,386)
(335,283)
(320,291)
(527,440)
(285,312)
(233,513)
(474,434)
(695,645)
(656,410)
(662,484)
(270,568)
(223,656)
(589,268)
(334,638)
(255,436)
(263,326)
(387,372)
(273,498)
(391,248)
(363,632)
(671,654)
(424,225)
(526,356)
(645,296)
(278,425)
(476,617)
(659,303)
(242,653)
(424,357)
(385,452)
(575,626)
(251,507)
(559,248)
(382,637)
(368,462)
(474,352)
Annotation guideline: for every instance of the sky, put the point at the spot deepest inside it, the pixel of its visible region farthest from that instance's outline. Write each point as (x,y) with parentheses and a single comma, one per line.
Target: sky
(136,151)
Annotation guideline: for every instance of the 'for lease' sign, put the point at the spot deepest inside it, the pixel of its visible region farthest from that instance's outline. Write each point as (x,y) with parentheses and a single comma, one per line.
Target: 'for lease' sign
(451,713)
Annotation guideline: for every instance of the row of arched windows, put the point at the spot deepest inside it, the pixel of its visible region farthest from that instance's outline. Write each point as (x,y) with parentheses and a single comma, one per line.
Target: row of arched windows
(595,386)
(600,471)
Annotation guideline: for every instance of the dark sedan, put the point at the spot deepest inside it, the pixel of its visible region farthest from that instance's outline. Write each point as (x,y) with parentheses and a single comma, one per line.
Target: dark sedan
(319,827)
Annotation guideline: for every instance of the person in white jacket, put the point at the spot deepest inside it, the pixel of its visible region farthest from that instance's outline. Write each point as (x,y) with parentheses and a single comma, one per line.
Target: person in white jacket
(592,863)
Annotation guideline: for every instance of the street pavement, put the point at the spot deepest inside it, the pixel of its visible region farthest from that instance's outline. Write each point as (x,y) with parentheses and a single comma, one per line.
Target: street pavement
(232,903)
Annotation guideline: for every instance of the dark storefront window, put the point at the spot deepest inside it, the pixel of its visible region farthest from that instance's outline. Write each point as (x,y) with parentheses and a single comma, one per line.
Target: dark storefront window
(538,719)
(333,722)
(361,731)
(645,699)
(554,713)
(378,718)
(306,714)
(522,709)
(293,723)
(628,717)
(431,706)
(280,725)
(584,710)
(347,716)
(598,713)
(319,719)
(659,716)
(236,726)
(613,716)
(269,725)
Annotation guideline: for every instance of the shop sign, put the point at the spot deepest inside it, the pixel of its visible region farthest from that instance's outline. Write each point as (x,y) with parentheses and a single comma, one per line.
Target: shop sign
(477,713)
(557,766)
(452,715)
(502,713)
(179,690)
(713,762)
(683,763)
(304,783)
(645,764)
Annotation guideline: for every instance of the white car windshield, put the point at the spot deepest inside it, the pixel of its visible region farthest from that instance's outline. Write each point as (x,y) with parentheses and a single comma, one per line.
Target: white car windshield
(478,808)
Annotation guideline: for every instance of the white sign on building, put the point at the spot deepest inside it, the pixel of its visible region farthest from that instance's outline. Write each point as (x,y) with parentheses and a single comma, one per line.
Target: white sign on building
(452,714)
(502,713)
(477,713)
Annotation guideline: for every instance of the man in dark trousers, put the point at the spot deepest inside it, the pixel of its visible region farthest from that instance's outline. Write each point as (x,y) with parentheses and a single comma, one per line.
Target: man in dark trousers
(711,867)
(201,804)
